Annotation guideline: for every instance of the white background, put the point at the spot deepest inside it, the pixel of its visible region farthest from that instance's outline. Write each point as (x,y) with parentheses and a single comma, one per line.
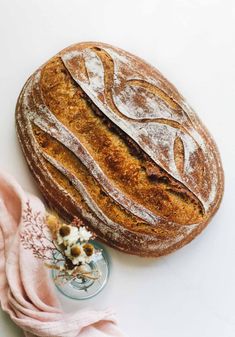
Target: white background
(190,293)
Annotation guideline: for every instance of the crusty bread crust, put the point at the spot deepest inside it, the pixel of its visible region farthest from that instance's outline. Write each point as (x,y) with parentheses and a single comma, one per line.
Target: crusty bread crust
(110,140)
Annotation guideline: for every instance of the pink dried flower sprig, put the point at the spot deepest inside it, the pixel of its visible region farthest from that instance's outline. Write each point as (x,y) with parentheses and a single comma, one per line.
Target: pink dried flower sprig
(36,236)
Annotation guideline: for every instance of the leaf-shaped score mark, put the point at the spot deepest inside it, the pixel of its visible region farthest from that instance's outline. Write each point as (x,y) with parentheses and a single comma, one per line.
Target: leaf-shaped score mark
(179,155)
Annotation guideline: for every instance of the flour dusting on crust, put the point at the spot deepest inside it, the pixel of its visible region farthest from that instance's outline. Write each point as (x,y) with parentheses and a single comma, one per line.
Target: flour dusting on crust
(147,108)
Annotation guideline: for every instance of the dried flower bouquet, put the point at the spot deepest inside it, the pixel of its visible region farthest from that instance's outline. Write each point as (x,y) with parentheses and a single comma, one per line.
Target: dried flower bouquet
(64,247)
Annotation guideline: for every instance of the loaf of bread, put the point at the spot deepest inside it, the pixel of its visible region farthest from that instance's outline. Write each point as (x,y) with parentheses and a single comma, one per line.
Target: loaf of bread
(111,141)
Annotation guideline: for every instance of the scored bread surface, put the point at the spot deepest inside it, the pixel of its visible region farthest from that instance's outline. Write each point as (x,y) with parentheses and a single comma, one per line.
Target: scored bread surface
(110,140)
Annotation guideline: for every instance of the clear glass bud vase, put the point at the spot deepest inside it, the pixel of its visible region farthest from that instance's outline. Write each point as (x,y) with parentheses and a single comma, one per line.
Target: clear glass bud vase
(81,288)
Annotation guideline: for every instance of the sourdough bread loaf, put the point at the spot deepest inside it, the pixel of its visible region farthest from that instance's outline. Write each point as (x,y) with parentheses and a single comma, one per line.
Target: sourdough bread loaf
(111,141)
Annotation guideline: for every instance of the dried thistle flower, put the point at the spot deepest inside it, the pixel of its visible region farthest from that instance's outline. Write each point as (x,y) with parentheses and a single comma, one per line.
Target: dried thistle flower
(88,249)
(76,251)
(64,230)
(76,254)
(67,235)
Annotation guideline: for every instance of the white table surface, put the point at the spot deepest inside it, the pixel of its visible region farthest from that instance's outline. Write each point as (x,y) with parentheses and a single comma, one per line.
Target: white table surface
(190,293)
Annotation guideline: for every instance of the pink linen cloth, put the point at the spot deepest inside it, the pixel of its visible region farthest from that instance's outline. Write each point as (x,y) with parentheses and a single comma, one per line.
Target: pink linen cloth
(26,289)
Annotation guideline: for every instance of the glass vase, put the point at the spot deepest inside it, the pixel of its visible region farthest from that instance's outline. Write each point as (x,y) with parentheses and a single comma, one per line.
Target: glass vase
(84,288)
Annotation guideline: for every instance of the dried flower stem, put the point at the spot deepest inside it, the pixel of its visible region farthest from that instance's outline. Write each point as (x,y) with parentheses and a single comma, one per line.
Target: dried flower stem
(38,237)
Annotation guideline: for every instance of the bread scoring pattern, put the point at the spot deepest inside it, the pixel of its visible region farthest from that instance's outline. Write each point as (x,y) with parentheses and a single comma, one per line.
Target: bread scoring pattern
(155,119)
(147,116)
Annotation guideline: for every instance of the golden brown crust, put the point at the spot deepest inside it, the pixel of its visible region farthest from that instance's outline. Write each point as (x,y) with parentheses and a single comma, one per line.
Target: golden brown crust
(110,140)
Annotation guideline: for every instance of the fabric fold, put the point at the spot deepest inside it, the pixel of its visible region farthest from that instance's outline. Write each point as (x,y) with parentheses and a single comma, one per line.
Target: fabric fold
(26,290)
